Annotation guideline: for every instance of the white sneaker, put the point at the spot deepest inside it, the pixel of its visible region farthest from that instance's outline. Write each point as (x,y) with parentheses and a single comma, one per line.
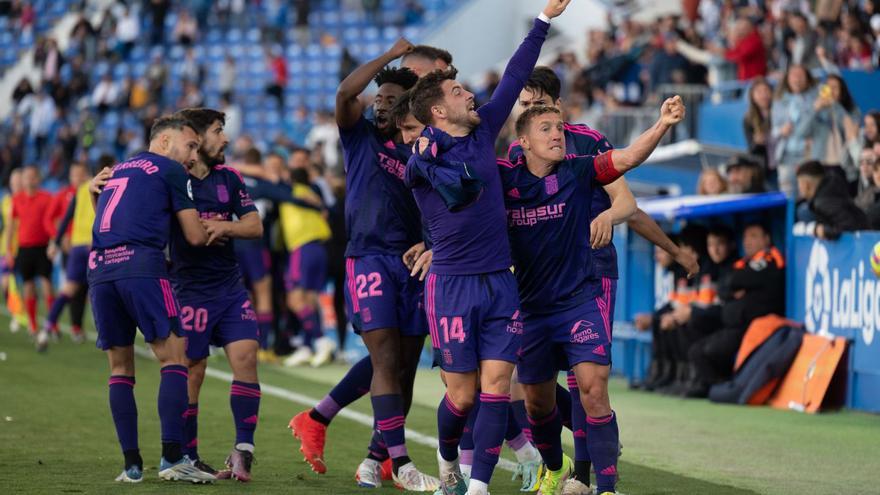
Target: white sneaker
(184,470)
(299,357)
(452,482)
(324,349)
(573,486)
(369,474)
(409,478)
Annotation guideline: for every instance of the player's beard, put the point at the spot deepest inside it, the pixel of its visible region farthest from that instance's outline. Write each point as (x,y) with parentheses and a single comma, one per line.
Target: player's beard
(212,160)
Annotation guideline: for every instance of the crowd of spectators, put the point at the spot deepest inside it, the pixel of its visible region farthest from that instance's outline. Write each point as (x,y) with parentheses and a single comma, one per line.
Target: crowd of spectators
(59,118)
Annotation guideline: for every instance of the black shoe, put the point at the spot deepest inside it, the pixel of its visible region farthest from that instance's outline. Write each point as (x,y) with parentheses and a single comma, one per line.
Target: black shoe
(204,467)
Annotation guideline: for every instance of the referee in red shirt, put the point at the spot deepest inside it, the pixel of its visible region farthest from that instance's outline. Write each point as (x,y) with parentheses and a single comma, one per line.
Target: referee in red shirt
(29,208)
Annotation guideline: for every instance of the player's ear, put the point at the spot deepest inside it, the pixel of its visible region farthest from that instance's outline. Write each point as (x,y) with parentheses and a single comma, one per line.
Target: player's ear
(558,103)
(438,111)
(524,142)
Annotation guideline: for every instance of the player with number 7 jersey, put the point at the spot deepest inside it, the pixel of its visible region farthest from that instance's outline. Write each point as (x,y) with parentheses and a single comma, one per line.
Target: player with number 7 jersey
(137,203)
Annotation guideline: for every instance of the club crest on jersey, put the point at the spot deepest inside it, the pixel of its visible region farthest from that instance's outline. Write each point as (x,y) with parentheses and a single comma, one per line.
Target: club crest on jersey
(189,189)
(551,184)
(222,193)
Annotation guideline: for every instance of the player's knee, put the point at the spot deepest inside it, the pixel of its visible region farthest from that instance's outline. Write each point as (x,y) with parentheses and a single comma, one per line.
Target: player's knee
(197,373)
(463,399)
(594,398)
(495,383)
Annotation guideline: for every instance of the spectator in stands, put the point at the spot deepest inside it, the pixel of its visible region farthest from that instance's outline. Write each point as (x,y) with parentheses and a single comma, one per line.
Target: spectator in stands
(78,83)
(186,29)
(157,75)
(227,78)
(190,68)
(298,126)
(278,67)
(668,66)
(802,44)
(871,129)
(106,94)
(831,128)
(746,50)
(745,176)
(372,8)
(192,96)
(827,198)
(158,12)
(301,26)
(756,123)
(711,183)
(128,29)
(866,190)
(757,288)
(794,102)
(82,40)
(42,117)
(872,210)
(233,117)
(323,139)
(413,12)
(22,90)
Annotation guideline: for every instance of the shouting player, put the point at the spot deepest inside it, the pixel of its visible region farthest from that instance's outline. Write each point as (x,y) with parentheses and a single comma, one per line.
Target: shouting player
(215,309)
(566,312)
(470,295)
(130,289)
(612,204)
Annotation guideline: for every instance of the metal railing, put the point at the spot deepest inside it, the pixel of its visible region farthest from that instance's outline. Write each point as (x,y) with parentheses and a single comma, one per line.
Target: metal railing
(623,125)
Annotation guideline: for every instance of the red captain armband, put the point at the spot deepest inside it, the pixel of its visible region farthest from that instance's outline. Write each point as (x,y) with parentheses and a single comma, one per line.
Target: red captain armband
(604,167)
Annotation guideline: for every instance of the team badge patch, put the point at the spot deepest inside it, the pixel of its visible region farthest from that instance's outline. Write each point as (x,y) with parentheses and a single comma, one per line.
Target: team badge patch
(222,193)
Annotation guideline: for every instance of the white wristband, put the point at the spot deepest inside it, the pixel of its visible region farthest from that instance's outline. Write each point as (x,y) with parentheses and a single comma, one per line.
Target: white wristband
(542,16)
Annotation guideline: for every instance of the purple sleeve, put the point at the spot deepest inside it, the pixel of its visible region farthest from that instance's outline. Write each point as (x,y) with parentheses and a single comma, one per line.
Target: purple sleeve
(495,112)
(242,203)
(179,188)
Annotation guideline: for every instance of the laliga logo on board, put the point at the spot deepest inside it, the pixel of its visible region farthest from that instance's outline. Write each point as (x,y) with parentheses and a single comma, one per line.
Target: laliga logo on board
(818,291)
(841,298)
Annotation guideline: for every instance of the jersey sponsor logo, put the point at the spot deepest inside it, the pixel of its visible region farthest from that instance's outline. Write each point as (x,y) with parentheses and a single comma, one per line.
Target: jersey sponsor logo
(247,312)
(222,193)
(214,215)
(392,165)
(246,200)
(112,256)
(146,165)
(527,217)
(582,332)
(516,325)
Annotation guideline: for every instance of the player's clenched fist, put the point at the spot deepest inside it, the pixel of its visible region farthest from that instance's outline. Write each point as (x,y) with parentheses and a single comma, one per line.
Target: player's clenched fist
(672,112)
(400,48)
(555,8)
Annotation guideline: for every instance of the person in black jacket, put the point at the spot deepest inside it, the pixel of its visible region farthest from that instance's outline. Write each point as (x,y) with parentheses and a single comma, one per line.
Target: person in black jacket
(756,288)
(827,196)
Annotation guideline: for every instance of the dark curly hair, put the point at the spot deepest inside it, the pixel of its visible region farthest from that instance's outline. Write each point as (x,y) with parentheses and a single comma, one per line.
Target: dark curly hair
(400,76)
(428,92)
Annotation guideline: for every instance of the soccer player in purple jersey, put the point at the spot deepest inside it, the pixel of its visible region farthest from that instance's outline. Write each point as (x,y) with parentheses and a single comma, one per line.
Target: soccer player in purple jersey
(470,295)
(215,308)
(612,204)
(382,222)
(549,195)
(137,203)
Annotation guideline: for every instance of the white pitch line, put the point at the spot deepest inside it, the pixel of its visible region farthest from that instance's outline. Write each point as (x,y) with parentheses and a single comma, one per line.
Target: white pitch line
(302,399)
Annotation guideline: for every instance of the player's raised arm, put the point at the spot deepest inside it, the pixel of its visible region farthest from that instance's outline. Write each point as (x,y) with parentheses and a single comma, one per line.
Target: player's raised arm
(348,107)
(641,223)
(671,112)
(519,68)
